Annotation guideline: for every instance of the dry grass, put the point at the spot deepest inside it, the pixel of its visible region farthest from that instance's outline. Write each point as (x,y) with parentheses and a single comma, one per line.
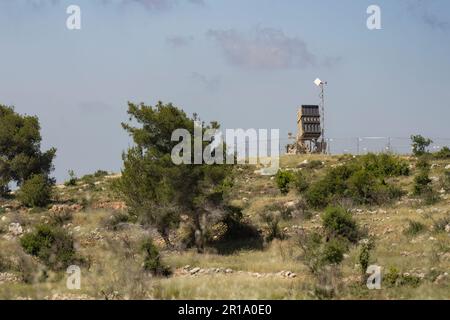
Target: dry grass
(115,263)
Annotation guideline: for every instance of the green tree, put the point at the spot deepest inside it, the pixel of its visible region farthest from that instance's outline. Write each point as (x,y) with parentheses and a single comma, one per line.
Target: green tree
(420,144)
(156,189)
(20,149)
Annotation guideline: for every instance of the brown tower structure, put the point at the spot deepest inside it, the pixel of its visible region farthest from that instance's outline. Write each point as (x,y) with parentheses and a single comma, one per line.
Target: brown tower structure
(309,131)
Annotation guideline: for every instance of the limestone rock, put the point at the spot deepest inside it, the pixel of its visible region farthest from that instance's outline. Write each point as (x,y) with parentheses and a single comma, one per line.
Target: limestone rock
(15,229)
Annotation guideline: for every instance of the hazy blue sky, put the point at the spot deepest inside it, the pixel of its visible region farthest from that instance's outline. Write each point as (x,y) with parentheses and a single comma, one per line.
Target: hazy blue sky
(245,63)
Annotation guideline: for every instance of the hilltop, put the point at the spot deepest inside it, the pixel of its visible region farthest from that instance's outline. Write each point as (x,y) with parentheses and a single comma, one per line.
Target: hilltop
(262,260)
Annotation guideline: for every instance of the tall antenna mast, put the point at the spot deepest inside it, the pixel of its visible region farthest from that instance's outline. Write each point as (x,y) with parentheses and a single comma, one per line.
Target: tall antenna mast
(322,85)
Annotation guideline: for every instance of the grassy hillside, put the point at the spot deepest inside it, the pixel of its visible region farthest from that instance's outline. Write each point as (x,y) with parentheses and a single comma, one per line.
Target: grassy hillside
(411,236)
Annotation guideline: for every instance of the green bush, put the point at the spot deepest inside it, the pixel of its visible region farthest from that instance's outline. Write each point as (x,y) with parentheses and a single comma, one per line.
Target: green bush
(361,180)
(301,182)
(364,255)
(444,153)
(52,245)
(333,251)
(337,222)
(4,263)
(272,221)
(441,224)
(72,179)
(283,180)
(152,260)
(320,252)
(60,218)
(35,192)
(314,164)
(100,173)
(423,163)
(445,181)
(318,194)
(116,221)
(363,187)
(393,278)
(423,184)
(384,165)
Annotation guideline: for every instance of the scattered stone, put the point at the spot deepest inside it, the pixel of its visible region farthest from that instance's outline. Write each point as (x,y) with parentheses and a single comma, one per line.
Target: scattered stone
(441,279)
(114,205)
(61,208)
(290,205)
(15,229)
(194,271)
(6,277)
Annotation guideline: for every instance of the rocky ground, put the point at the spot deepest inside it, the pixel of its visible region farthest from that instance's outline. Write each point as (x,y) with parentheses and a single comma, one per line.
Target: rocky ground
(114,268)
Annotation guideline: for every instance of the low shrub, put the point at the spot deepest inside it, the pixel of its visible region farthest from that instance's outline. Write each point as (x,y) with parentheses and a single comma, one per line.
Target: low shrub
(363,180)
(5,264)
(52,245)
(60,218)
(423,184)
(444,153)
(314,164)
(445,181)
(35,192)
(319,194)
(333,252)
(384,165)
(414,228)
(283,180)
(301,182)
(338,222)
(272,224)
(100,173)
(152,260)
(440,224)
(364,256)
(72,179)
(115,221)
(320,252)
(393,278)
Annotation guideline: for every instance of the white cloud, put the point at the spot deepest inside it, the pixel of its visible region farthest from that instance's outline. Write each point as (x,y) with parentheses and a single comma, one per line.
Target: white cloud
(265,48)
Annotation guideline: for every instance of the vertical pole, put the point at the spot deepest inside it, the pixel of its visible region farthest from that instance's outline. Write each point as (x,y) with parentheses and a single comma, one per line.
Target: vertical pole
(357,146)
(322,95)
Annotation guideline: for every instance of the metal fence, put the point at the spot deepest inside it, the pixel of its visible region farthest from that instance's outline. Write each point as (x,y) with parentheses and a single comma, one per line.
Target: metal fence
(363,145)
